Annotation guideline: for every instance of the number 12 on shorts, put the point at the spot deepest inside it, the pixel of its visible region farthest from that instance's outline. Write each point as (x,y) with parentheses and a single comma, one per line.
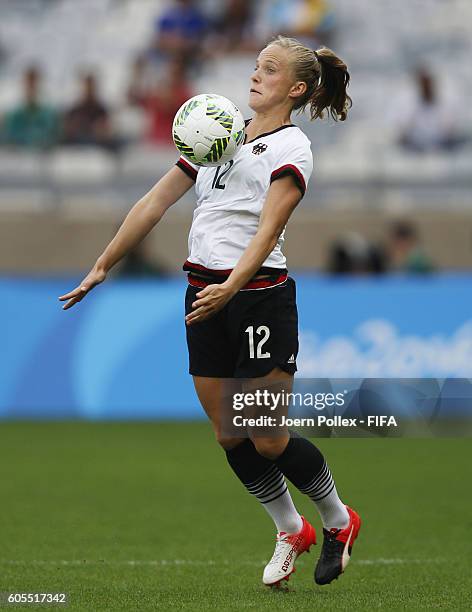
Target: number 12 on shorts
(264,332)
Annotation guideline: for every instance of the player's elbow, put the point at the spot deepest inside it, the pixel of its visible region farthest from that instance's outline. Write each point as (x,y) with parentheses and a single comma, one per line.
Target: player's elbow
(275,238)
(270,237)
(277,230)
(152,208)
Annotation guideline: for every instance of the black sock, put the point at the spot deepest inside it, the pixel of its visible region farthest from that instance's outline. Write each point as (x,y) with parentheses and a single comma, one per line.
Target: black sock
(259,475)
(304,465)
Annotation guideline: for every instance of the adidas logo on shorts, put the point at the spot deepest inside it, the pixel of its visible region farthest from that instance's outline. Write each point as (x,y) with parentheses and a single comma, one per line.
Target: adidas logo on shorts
(291,359)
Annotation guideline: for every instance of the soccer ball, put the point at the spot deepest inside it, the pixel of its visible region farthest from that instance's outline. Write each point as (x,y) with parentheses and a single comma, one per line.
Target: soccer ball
(208,130)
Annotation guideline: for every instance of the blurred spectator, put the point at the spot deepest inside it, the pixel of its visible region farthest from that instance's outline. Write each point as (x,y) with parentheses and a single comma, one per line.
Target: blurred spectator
(311,21)
(180,32)
(234,30)
(428,122)
(353,254)
(405,251)
(32,124)
(164,100)
(88,121)
(138,264)
(130,120)
(139,82)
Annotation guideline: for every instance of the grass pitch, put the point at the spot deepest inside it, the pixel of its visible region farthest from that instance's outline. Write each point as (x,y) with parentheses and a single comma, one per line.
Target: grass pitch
(148,516)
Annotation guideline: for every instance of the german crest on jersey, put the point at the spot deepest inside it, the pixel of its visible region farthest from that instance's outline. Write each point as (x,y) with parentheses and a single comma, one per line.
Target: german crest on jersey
(259,148)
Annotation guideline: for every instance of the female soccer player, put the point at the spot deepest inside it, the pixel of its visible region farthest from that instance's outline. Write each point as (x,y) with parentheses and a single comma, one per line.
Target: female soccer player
(241,316)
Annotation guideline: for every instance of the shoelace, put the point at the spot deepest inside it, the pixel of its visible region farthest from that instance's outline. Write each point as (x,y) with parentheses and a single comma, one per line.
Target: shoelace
(330,549)
(282,544)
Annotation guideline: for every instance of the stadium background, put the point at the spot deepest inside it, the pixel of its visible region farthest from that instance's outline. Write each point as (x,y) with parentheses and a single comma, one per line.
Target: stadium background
(380,248)
(62,198)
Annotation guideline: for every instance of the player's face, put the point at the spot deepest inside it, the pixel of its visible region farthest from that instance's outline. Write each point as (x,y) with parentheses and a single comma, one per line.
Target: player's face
(272,81)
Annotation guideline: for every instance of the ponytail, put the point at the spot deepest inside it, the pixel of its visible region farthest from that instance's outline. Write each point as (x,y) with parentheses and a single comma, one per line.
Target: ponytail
(326,77)
(331,92)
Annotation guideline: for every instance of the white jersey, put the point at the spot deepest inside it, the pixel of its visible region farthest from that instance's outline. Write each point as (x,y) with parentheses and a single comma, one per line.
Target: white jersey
(230,197)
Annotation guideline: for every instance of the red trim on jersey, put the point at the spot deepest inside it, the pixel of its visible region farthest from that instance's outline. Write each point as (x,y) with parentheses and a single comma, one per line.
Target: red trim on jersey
(277,276)
(187,168)
(189,266)
(256,284)
(290,169)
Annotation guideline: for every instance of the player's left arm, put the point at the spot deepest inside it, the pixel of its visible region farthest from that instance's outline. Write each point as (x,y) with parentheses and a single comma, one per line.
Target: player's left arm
(281,201)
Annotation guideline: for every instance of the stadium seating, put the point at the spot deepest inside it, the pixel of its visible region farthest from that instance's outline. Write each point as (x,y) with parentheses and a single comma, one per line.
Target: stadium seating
(382,40)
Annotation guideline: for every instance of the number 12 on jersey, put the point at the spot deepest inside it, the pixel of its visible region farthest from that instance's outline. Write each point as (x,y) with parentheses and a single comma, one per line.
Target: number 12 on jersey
(220,172)
(262,331)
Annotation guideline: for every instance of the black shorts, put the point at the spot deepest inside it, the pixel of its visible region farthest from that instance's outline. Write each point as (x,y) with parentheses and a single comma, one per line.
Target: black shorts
(255,332)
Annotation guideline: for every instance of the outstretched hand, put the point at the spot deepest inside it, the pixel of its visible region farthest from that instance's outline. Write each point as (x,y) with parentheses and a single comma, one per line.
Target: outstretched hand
(209,301)
(93,278)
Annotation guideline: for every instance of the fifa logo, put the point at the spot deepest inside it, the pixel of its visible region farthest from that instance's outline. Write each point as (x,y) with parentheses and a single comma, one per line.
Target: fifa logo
(259,148)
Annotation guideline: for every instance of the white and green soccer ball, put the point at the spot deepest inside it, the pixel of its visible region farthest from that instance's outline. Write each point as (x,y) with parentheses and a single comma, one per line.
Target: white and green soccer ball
(208,130)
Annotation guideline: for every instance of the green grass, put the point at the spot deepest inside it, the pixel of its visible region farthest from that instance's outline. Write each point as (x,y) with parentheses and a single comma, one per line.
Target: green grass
(80,501)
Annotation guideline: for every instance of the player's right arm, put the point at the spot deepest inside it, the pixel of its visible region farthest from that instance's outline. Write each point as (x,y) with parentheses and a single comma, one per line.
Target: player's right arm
(144,215)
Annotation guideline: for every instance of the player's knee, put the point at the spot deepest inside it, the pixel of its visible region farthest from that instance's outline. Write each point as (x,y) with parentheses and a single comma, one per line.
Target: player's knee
(270,448)
(227,443)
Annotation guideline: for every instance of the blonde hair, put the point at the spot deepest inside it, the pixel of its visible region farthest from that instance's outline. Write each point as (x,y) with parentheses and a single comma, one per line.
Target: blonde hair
(326,77)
